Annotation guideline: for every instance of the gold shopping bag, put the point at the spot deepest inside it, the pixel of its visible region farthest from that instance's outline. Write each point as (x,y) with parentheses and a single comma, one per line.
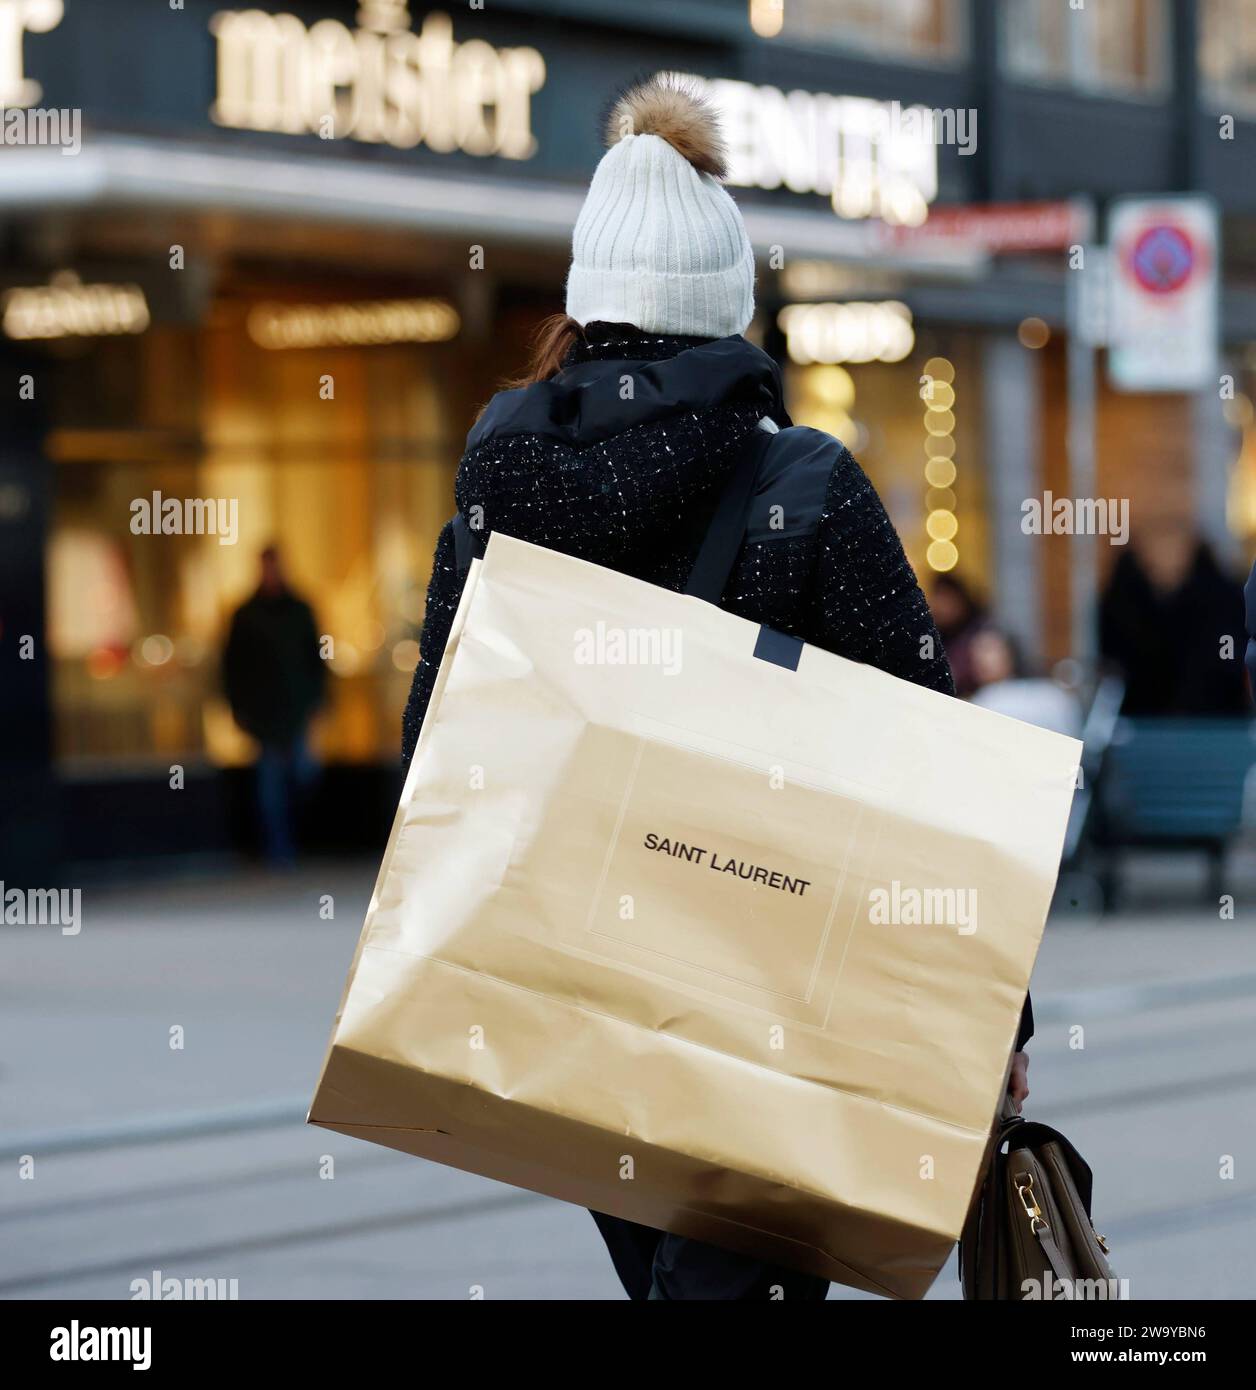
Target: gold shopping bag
(692,938)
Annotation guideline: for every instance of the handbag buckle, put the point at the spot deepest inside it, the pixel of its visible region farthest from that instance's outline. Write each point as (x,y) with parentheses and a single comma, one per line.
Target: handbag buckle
(1025,1191)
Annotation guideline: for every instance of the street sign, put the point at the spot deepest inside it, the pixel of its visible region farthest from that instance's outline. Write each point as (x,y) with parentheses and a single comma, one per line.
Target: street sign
(999,228)
(1164,257)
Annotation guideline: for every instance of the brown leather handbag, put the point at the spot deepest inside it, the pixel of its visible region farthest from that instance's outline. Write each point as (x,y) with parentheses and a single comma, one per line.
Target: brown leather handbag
(1028,1233)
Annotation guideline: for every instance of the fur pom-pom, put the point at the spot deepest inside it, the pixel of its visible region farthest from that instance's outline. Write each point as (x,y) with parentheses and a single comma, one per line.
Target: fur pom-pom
(675,111)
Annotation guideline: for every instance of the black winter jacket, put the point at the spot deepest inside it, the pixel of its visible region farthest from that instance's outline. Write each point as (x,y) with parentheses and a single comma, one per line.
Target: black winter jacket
(271,669)
(619,459)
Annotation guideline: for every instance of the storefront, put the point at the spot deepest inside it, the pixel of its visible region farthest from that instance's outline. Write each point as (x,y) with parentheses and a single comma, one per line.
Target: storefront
(269,261)
(259,289)
(340,452)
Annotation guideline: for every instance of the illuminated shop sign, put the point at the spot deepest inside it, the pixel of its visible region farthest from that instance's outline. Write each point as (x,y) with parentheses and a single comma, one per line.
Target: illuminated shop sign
(67,308)
(17,19)
(364,324)
(870,158)
(859,332)
(379,82)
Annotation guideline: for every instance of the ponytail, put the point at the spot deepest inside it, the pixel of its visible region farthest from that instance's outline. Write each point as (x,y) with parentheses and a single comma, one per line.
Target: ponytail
(552,341)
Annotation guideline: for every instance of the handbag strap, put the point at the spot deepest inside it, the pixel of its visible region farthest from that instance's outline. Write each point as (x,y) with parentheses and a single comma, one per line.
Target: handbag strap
(1059,1265)
(718,552)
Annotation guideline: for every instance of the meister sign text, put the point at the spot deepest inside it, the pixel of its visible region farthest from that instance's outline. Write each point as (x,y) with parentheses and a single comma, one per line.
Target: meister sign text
(379,82)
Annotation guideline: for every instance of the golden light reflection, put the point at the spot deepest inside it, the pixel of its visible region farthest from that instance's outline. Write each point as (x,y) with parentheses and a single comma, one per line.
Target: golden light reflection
(277,326)
(405,655)
(824,399)
(942,556)
(941,524)
(155,650)
(67,308)
(1033,333)
(940,472)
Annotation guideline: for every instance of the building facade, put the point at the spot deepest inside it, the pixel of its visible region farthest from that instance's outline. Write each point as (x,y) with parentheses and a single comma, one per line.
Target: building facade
(262,265)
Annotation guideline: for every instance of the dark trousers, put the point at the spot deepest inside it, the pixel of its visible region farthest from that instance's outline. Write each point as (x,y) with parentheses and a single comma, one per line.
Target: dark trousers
(654,1264)
(285,773)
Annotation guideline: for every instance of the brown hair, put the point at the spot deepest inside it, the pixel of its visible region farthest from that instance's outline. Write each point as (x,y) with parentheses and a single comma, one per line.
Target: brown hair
(551,342)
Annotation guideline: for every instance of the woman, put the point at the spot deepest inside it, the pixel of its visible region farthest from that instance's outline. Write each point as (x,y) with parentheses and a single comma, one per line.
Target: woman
(959,618)
(1005,685)
(640,401)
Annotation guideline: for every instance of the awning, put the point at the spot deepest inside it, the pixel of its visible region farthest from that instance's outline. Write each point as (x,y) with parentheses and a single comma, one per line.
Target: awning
(127,172)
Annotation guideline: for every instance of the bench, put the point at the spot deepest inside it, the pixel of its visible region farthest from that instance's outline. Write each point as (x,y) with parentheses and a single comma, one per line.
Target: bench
(1175,783)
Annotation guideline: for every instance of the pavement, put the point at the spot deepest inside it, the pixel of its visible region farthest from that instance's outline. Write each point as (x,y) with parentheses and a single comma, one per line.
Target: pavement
(155,1070)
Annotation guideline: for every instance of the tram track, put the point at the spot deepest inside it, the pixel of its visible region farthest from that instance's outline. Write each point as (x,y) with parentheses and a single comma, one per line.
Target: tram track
(278,1119)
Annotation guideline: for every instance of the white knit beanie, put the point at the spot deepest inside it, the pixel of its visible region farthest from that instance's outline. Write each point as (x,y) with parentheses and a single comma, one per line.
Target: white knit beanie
(659,243)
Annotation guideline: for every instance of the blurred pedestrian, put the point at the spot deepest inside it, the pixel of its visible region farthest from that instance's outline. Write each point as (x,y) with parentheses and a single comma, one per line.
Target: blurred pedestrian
(274,678)
(1172,621)
(959,618)
(1249,604)
(1005,685)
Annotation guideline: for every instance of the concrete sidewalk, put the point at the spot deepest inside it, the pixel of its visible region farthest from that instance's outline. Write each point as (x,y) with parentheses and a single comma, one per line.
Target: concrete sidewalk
(217,1176)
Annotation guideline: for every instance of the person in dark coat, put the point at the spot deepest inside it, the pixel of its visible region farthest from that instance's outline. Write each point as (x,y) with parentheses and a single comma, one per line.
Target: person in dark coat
(614,448)
(960,618)
(274,678)
(1172,621)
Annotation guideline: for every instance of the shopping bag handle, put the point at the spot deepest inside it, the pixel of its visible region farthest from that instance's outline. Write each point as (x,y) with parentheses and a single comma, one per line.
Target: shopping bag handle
(718,552)
(468,545)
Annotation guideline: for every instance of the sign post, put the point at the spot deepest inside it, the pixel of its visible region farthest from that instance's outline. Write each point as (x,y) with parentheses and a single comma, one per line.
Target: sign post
(1085,295)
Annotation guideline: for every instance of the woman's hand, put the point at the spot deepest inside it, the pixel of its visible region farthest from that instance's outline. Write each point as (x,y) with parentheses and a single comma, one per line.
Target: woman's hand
(1018,1081)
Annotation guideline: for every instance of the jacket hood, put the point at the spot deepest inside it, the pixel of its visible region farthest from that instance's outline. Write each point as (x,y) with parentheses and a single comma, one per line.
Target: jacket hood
(618,454)
(584,403)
